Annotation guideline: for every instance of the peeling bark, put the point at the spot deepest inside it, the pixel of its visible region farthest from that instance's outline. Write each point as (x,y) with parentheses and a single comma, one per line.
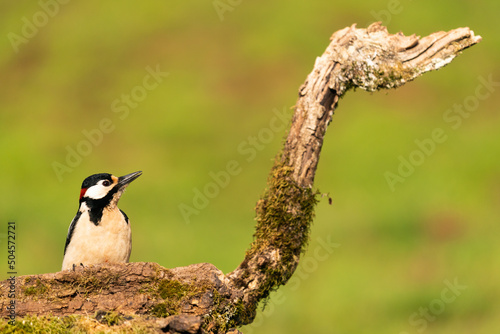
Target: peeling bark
(199,298)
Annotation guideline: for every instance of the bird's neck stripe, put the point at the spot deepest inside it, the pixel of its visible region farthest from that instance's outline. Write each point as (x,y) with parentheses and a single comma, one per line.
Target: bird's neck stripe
(82,192)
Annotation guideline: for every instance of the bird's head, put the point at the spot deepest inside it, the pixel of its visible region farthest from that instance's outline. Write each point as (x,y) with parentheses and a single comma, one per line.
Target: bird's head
(104,189)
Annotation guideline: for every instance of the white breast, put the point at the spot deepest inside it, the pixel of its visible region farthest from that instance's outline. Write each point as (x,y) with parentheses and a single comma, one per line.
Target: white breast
(110,241)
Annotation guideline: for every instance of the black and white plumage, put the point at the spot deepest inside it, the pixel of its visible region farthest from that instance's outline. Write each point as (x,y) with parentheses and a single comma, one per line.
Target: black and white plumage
(100,231)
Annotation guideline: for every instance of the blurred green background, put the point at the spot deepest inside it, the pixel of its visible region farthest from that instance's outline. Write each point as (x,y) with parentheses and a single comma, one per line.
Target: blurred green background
(232,65)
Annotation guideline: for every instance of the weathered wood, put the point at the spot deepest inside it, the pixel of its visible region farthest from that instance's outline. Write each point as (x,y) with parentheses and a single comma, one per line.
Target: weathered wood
(371,59)
(131,288)
(200,298)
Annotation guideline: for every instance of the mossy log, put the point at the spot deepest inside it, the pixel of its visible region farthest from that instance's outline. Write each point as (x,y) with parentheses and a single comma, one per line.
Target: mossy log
(200,298)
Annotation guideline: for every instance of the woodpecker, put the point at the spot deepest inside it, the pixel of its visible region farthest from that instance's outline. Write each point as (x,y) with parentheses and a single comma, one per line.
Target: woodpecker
(100,231)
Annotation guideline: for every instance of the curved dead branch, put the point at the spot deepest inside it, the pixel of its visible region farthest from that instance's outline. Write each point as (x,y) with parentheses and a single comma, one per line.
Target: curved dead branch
(200,298)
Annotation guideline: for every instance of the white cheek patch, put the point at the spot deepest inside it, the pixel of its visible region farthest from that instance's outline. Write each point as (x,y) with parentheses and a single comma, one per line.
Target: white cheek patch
(98,191)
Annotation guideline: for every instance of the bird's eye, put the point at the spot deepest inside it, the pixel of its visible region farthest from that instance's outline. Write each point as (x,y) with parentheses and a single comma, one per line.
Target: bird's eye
(106,183)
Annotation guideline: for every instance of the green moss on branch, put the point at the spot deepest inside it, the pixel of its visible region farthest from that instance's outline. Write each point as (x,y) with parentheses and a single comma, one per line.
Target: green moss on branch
(284,217)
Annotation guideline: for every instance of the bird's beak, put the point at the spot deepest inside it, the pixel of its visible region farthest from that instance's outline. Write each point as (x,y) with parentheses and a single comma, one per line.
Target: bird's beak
(124,180)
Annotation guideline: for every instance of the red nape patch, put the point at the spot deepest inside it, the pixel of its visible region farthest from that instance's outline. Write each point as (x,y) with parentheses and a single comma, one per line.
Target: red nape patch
(82,192)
